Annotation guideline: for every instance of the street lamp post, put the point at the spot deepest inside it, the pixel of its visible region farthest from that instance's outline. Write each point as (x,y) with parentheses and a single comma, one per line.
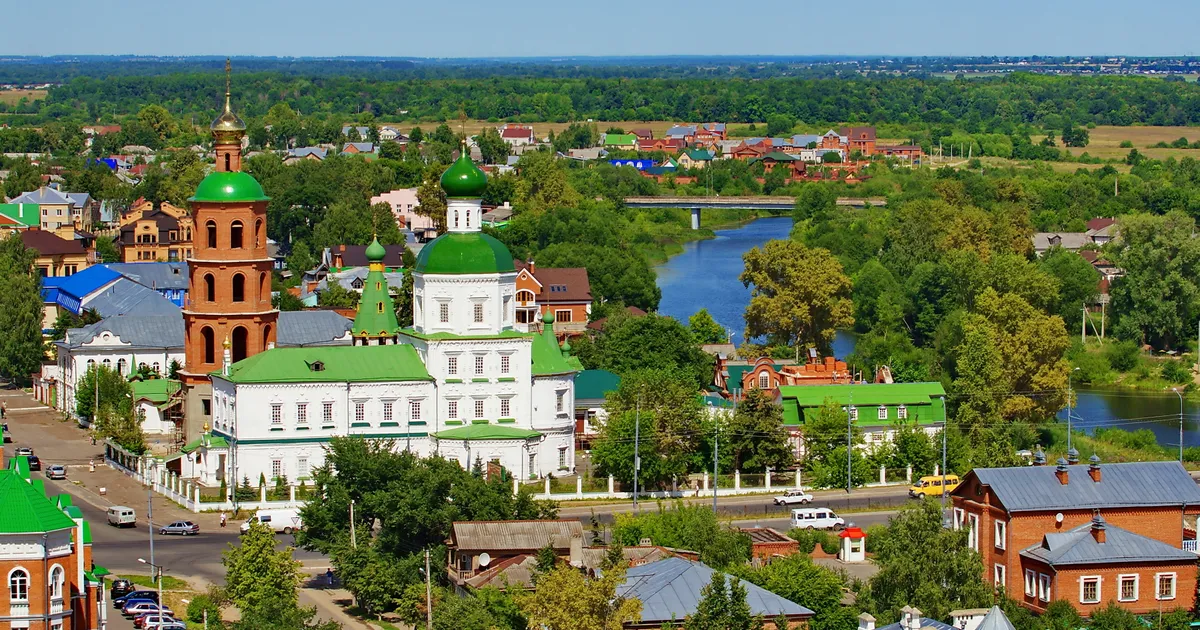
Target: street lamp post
(158,573)
(1069,375)
(1176,390)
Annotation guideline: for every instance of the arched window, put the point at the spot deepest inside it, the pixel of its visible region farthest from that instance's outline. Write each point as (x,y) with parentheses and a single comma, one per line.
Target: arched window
(121,366)
(91,364)
(210,345)
(266,336)
(235,235)
(18,585)
(239,287)
(211,228)
(107,364)
(264,282)
(456,218)
(468,217)
(156,367)
(56,582)
(227,168)
(210,288)
(258,232)
(240,338)
(379,307)
(764,380)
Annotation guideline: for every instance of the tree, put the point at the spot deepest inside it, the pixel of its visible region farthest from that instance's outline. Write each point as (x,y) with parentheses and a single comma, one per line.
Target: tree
(815,201)
(301,258)
(356,223)
(416,136)
(780,125)
(629,343)
(878,298)
(662,406)
(797,578)
(705,329)
(1061,615)
(1078,282)
(568,600)
(683,526)
(799,296)
(1073,136)
(543,183)
(431,203)
(23,177)
(21,349)
(1158,298)
(402,297)
(257,576)
(615,274)
(924,565)
(337,296)
(723,606)
(158,120)
(1112,617)
(831,157)
(492,147)
(755,436)
(107,250)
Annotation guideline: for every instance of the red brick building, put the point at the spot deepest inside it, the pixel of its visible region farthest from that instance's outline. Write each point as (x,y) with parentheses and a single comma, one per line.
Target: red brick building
(1072,531)
(861,139)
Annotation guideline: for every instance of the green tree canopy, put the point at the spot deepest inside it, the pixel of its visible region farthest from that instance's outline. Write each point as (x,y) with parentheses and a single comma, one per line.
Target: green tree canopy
(706,329)
(799,296)
(21,350)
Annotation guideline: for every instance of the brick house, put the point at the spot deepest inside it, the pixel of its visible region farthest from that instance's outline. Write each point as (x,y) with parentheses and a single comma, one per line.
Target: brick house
(57,256)
(767,543)
(565,292)
(1088,534)
(150,233)
(861,139)
(517,135)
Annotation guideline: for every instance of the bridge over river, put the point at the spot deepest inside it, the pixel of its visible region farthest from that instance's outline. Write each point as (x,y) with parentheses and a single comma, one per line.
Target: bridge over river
(696,204)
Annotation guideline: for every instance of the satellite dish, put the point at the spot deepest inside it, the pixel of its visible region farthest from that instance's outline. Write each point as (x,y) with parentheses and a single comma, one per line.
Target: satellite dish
(484,559)
(1058,518)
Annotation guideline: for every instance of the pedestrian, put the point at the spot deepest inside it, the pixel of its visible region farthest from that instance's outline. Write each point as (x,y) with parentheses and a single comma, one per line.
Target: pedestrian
(329,577)
(222,519)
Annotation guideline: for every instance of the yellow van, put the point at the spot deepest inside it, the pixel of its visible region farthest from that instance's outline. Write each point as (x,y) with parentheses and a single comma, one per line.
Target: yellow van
(931,486)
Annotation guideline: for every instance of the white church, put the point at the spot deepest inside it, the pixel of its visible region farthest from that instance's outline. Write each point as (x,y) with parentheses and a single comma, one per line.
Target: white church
(462,382)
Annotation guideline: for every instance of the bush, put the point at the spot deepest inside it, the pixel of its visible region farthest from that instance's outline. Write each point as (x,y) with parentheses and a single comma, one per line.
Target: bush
(1093,367)
(1191,454)
(810,538)
(201,604)
(1123,356)
(1126,144)
(1177,371)
(875,534)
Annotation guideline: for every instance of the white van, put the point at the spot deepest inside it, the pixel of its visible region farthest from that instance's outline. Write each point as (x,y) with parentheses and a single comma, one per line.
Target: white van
(121,516)
(816,518)
(286,520)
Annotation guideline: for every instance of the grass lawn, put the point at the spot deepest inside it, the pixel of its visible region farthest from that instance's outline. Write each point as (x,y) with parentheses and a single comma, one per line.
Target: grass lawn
(12,97)
(169,583)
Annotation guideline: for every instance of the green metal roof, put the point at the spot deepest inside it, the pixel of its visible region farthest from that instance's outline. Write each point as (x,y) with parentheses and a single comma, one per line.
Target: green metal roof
(27,214)
(87,534)
(716,401)
(441,336)
(595,384)
(863,394)
(207,440)
(20,465)
(463,179)
(619,139)
(464,253)
(548,358)
(26,511)
(397,362)
(376,316)
(736,372)
(156,390)
(700,155)
(791,412)
(486,432)
(779,156)
(229,186)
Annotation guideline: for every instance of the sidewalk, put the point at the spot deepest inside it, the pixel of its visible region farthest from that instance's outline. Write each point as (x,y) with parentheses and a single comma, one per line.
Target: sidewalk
(331,603)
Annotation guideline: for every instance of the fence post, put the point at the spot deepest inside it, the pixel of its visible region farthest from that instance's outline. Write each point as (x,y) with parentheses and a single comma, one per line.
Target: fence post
(262,493)
(579,487)
(768,480)
(908,474)
(882,475)
(936,470)
(611,486)
(196,504)
(706,481)
(799,479)
(737,481)
(292,493)
(516,486)
(547,486)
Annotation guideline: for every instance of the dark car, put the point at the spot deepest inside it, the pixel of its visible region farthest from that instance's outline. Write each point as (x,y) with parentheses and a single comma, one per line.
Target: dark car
(120,588)
(183,528)
(57,471)
(34,463)
(7,435)
(119,602)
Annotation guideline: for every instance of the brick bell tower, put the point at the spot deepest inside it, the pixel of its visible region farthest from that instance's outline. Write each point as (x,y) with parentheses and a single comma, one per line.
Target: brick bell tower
(229,297)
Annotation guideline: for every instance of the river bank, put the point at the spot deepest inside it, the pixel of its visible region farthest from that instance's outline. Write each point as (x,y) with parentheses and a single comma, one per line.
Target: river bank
(671,238)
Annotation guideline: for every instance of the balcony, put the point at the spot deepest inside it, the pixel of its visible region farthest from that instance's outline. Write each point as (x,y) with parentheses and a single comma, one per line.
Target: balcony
(18,610)
(1190,545)
(56,606)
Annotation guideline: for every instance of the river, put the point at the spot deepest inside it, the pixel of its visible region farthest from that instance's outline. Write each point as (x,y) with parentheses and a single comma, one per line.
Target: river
(705,275)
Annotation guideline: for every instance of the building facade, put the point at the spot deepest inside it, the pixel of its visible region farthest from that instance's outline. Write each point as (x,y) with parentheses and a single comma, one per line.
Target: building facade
(150,233)
(875,408)
(563,293)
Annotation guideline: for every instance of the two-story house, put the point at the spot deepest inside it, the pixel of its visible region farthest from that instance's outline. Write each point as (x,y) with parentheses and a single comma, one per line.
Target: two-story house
(1087,534)
(156,233)
(57,256)
(564,293)
(62,209)
(875,408)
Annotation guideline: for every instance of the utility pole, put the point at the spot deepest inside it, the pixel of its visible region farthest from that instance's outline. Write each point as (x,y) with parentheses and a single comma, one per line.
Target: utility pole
(428,595)
(716,438)
(353,538)
(945,416)
(1069,375)
(849,446)
(637,461)
(1176,390)
(150,523)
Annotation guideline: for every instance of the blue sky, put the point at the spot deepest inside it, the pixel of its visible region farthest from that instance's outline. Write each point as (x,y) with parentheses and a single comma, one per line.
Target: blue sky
(476,28)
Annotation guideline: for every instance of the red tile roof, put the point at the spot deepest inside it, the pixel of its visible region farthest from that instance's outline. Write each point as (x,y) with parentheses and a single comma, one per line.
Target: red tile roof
(1099,223)
(517,132)
(857,133)
(48,244)
(560,285)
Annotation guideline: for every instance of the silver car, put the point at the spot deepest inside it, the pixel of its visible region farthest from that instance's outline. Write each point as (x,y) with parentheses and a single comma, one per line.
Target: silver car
(56,471)
(183,528)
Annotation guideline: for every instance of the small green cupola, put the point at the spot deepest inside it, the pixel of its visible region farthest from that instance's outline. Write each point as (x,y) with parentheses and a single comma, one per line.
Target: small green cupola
(375,322)
(464,180)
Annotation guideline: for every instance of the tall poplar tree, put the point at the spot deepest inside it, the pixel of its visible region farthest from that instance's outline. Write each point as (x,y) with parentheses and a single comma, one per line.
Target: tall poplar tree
(21,349)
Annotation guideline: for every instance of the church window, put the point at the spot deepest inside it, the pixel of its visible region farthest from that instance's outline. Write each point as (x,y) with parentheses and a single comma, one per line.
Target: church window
(505,362)
(357,283)
(562,315)
(378,286)
(258,232)
(562,458)
(239,287)
(764,380)
(478,313)
(478,365)
(360,412)
(121,366)
(479,408)
(379,307)
(276,468)
(444,313)
(327,412)
(211,228)
(210,288)
(301,413)
(560,398)
(235,235)
(452,365)
(414,410)
(468,217)
(505,408)
(387,411)
(276,413)
(301,467)
(107,364)
(452,409)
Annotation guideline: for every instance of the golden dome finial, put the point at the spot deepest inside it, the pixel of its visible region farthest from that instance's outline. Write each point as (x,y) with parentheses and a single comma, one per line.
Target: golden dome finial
(228,128)
(206,428)
(226,344)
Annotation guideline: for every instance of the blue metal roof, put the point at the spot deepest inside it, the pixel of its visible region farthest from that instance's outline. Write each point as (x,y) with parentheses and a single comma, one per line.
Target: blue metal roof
(1079,546)
(75,289)
(926,624)
(1134,484)
(670,590)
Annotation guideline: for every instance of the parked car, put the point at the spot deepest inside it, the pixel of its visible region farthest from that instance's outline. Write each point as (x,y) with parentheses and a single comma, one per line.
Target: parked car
(931,486)
(7,435)
(120,588)
(135,594)
(183,528)
(286,520)
(35,463)
(139,607)
(24,451)
(57,471)
(121,516)
(153,620)
(793,497)
(175,625)
(816,518)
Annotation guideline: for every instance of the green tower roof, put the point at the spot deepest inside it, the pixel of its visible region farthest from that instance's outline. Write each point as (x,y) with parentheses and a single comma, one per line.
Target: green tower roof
(463,178)
(226,186)
(376,316)
(464,253)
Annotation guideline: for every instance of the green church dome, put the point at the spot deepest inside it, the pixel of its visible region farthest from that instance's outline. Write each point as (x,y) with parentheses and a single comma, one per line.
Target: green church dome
(464,253)
(375,251)
(548,317)
(228,186)
(463,178)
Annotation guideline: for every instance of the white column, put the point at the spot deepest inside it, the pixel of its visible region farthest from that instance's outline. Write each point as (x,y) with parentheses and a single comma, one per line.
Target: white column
(611,486)
(737,481)
(882,474)
(768,480)
(706,481)
(262,493)
(908,474)
(579,487)
(292,493)
(936,470)
(516,486)
(547,485)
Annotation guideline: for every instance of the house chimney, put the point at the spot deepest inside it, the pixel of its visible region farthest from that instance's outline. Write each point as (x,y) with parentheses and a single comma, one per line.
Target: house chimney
(1072,456)
(866,622)
(1061,471)
(1098,528)
(914,622)
(1039,457)
(532,266)
(1094,468)
(905,617)
(576,557)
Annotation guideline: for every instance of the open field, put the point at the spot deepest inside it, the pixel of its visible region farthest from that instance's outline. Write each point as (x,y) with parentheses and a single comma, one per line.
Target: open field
(1105,141)
(12,97)
(541,129)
